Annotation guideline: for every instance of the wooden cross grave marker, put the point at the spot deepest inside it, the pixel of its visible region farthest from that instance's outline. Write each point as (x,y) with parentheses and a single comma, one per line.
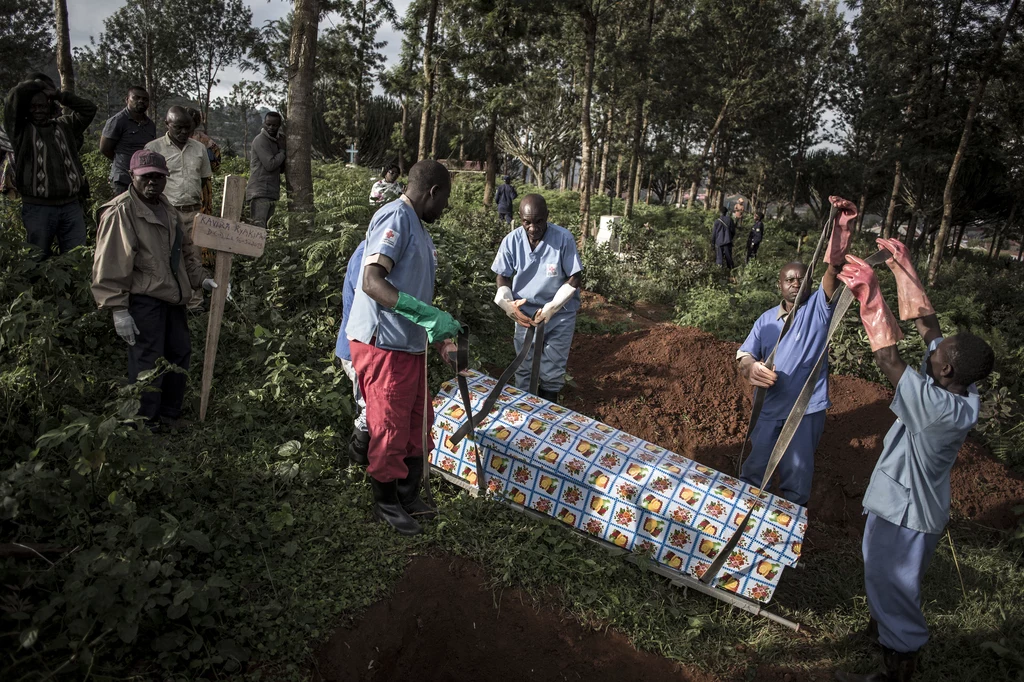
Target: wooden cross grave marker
(226,235)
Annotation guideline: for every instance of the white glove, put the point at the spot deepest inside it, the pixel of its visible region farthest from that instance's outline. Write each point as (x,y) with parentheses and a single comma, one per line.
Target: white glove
(562,296)
(209,284)
(503,299)
(124,325)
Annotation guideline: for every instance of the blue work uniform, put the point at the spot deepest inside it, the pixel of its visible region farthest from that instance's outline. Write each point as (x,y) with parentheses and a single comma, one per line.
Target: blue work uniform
(395,232)
(348,295)
(907,501)
(341,349)
(537,275)
(797,353)
(504,196)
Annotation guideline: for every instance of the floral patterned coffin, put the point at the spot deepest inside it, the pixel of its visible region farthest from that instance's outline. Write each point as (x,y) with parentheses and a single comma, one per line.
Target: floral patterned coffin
(629,492)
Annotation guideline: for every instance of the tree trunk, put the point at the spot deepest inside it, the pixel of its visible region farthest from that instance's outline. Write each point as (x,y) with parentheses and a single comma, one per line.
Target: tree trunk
(699,170)
(403,128)
(947,195)
(605,151)
(428,78)
(897,180)
(433,136)
(563,183)
(301,75)
(618,176)
(64,63)
(636,182)
(959,238)
(590,21)
(490,149)
(997,238)
(650,180)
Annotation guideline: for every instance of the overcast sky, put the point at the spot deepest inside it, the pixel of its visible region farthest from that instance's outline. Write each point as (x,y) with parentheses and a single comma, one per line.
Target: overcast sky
(85,17)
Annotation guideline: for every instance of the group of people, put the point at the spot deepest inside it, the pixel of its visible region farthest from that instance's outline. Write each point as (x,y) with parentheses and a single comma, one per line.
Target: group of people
(146,270)
(388,325)
(723,231)
(907,501)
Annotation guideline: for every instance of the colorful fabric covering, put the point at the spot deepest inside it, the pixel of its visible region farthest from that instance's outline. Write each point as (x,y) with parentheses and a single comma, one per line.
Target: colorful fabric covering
(616,487)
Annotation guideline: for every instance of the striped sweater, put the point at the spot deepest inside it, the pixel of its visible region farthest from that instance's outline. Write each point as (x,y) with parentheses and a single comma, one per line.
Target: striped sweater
(47,169)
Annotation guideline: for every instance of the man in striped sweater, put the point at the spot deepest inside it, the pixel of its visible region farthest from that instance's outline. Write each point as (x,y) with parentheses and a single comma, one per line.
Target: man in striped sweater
(47,170)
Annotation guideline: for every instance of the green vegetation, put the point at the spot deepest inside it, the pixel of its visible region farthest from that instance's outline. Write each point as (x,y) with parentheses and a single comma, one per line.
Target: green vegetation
(234,547)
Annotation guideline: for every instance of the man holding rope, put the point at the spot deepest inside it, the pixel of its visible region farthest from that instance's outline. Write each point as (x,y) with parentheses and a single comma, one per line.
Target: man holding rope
(539,276)
(907,500)
(795,357)
(389,327)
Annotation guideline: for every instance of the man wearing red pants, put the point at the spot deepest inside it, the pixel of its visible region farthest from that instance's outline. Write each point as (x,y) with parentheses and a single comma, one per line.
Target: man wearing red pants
(389,329)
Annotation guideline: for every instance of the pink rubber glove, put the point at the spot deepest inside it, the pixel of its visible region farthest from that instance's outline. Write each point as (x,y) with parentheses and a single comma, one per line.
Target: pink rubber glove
(914,302)
(841,234)
(878,321)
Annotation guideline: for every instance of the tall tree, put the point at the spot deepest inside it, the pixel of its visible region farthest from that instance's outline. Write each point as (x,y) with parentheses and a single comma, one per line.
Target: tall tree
(299,132)
(428,77)
(991,60)
(220,35)
(26,38)
(64,64)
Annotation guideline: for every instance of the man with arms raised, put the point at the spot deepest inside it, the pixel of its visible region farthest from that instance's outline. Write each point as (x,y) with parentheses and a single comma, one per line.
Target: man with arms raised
(389,328)
(907,500)
(539,277)
(796,356)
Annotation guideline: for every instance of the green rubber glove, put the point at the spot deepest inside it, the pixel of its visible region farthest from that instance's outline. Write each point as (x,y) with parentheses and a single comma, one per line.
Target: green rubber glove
(439,324)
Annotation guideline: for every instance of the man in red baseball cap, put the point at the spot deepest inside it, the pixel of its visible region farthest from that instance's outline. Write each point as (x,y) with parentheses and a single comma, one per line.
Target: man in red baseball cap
(144,272)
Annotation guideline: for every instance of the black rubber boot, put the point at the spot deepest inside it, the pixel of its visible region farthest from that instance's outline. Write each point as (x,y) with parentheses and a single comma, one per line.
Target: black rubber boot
(387,508)
(358,447)
(549,395)
(409,491)
(899,667)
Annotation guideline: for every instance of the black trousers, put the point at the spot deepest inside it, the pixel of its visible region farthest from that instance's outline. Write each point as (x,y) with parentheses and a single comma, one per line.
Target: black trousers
(752,250)
(163,332)
(724,255)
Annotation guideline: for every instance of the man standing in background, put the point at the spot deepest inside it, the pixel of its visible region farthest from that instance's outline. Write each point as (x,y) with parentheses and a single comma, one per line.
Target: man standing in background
(503,198)
(755,236)
(266,162)
(189,167)
(47,170)
(721,238)
(125,133)
(212,151)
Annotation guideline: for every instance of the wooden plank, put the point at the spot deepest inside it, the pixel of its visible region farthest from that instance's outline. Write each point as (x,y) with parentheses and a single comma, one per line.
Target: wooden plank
(222,234)
(231,211)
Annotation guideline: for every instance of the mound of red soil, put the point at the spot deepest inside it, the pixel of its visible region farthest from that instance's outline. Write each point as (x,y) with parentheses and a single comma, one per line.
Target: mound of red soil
(680,388)
(443,624)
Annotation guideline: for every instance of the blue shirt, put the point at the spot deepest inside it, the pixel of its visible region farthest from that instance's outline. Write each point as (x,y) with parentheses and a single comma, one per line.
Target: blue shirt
(396,232)
(723,230)
(910,484)
(797,354)
(129,137)
(348,294)
(539,273)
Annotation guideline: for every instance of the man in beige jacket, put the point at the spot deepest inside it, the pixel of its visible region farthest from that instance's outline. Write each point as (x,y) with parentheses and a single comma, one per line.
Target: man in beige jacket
(144,272)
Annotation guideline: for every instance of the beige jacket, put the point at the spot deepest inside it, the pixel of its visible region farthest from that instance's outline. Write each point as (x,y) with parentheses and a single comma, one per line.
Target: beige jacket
(133,255)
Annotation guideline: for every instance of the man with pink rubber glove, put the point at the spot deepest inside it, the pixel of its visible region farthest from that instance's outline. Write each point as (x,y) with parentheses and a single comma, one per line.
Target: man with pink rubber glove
(907,501)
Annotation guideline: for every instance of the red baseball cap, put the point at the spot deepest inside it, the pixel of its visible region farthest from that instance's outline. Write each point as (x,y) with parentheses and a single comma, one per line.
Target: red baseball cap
(146,161)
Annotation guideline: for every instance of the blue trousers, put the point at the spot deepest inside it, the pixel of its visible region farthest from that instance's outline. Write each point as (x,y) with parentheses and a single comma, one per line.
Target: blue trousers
(796,468)
(895,559)
(555,355)
(44,224)
(723,255)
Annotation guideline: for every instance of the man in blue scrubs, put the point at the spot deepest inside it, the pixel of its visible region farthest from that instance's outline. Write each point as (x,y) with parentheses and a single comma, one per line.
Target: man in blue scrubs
(907,501)
(795,358)
(359,443)
(539,277)
(389,328)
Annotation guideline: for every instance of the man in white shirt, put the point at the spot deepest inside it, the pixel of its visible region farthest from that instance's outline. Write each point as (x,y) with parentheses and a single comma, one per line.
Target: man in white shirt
(189,165)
